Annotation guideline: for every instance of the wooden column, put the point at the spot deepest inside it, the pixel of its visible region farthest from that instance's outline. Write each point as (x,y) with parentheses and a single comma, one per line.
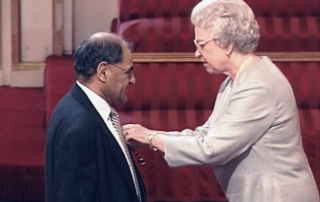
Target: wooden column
(15,34)
(57,17)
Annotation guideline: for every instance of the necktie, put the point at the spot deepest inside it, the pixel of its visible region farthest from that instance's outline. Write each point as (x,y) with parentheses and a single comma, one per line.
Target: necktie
(116,123)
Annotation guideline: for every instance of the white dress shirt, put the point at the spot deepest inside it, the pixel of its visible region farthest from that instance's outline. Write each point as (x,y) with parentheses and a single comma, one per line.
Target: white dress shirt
(104,110)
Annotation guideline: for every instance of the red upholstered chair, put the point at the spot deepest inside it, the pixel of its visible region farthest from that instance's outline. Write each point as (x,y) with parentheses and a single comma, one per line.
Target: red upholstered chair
(137,9)
(159,34)
(287,26)
(284,26)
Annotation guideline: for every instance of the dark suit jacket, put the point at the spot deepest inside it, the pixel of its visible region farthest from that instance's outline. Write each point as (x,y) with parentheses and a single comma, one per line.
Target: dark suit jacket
(83,159)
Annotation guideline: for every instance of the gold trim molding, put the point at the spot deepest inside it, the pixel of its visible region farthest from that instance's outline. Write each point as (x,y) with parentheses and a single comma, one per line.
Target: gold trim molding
(189,57)
(30,66)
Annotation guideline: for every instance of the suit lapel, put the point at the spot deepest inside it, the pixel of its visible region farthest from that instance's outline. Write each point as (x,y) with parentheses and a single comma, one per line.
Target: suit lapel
(122,162)
(119,156)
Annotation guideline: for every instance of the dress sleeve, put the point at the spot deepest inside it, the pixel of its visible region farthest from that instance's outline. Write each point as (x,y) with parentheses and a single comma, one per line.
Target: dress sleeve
(249,114)
(200,131)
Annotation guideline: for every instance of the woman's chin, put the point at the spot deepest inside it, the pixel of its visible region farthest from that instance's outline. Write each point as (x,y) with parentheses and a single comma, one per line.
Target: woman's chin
(209,69)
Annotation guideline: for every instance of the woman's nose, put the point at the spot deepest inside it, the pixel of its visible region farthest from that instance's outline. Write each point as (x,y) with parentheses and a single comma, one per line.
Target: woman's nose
(197,54)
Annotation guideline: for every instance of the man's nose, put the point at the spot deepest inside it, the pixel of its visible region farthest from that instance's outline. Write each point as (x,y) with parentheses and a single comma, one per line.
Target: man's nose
(132,79)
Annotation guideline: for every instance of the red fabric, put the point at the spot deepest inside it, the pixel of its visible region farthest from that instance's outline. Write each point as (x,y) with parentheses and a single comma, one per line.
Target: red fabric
(304,78)
(59,77)
(310,131)
(134,9)
(176,34)
(164,86)
(284,8)
(159,34)
(289,34)
(164,25)
(22,137)
(21,182)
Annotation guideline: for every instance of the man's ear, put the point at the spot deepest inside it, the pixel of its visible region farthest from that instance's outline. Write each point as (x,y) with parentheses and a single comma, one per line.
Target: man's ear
(102,71)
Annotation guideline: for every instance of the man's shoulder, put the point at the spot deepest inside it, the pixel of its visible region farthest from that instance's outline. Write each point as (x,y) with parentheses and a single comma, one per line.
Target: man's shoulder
(69,108)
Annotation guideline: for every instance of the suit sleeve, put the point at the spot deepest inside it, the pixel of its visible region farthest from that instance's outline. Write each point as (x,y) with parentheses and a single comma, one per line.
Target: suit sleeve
(250,112)
(76,170)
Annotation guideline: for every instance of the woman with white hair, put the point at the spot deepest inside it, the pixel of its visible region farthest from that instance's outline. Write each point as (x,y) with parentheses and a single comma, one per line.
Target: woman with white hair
(252,139)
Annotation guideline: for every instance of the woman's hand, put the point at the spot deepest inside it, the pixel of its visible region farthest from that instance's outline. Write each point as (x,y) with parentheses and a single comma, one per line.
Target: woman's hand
(138,136)
(135,134)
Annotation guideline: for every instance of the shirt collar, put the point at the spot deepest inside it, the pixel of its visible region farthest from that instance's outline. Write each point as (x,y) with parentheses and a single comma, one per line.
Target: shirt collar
(98,102)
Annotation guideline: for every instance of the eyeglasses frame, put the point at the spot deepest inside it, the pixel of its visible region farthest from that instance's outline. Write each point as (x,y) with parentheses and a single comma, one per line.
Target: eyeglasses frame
(129,71)
(200,45)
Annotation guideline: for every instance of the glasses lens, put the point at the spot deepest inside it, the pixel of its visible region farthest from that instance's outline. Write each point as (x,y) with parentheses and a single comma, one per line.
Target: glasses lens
(130,72)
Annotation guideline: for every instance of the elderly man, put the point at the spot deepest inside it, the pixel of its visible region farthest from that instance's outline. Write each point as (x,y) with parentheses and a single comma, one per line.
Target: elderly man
(86,155)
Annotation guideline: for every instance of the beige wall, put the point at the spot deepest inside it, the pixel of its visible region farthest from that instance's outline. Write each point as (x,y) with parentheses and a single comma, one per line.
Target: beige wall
(36,30)
(92,16)
(79,18)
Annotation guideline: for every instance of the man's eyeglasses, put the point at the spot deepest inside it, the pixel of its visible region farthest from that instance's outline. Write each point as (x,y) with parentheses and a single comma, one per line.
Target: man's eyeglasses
(128,72)
(200,45)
